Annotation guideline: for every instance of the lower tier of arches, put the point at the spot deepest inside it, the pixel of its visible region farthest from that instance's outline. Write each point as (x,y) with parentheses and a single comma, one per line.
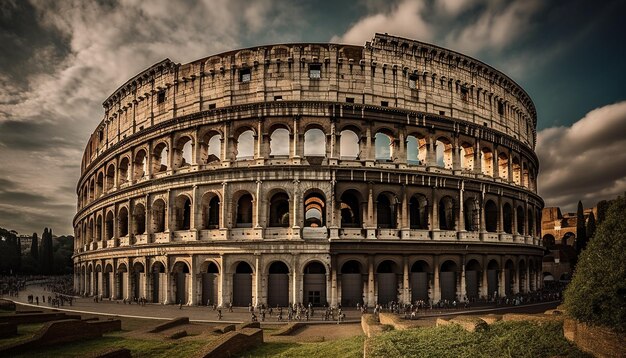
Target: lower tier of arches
(320,278)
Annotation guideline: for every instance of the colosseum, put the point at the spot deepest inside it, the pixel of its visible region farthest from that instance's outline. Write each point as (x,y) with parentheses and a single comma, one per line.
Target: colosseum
(314,173)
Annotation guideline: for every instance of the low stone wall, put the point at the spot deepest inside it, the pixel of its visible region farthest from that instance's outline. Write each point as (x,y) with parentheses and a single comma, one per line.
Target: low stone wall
(169,324)
(370,325)
(537,318)
(6,305)
(598,341)
(248,325)
(8,330)
(225,328)
(395,321)
(63,331)
(232,343)
(289,329)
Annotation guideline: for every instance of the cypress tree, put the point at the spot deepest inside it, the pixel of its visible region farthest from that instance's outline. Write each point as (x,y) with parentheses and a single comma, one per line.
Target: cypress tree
(581,232)
(34,247)
(44,262)
(591,226)
(18,255)
(50,252)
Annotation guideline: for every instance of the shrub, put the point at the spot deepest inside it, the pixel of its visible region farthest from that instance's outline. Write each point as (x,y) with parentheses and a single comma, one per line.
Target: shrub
(597,293)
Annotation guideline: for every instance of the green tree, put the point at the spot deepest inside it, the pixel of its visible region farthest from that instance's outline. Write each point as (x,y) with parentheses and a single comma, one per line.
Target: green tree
(34,247)
(581,232)
(602,208)
(45,256)
(591,226)
(597,293)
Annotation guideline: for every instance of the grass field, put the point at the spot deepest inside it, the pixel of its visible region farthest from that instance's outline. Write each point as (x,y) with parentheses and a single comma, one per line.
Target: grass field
(340,348)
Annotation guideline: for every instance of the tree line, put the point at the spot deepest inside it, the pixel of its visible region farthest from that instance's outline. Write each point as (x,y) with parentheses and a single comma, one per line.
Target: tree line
(47,256)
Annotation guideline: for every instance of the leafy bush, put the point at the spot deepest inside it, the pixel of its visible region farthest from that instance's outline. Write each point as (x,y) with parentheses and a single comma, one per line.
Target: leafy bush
(503,339)
(597,293)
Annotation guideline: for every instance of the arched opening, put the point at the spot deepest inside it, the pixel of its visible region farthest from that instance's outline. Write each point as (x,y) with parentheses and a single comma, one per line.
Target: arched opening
(122,221)
(314,143)
(123,171)
(159,158)
(521,276)
(314,210)
(507,218)
(416,150)
(486,157)
(349,145)
(351,284)
(467,157)
(92,190)
(243,212)
(447,213)
(158,282)
(279,210)
(122,282)
(139,219)
(568,239)
(278,285)
(314,286)
(158,216)
(517,171)
(108,226)
(520,220)
(492,278)
(509,273)
(110,177)
(471,214)
(548,241)
(503,166)
(182,213)
(183,152)
(210,211)
(242,285)
(210,282)
(98,229)
(138,278)
(418,212)
(447,280)
(211,148)
(90,228)
(419,279)
(383,147)
(279,143)
(491,216)
(180,284)
(245,145)
(386,204)
(443,150)
(106,281)
(350,205)
(387,281)
(99,184)
(472,279)
(525,176)
(140,165)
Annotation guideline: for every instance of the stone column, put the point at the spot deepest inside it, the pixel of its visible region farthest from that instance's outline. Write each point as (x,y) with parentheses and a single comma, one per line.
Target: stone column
(406,298)
(168,282)
(484,289)
(437,288)
(333,278)
(502,280)
(257,281)
(129,282)
(193,283)
(295,284)
(461,212)
(495,166)
(463,291)
(527,278)
(478,163)
(371,299)
(257,205)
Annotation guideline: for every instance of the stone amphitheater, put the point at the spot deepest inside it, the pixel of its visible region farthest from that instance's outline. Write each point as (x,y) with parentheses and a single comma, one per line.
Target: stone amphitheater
(314,173)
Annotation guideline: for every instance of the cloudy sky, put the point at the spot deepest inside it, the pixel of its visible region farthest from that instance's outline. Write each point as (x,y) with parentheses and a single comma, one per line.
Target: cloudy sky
(60,59)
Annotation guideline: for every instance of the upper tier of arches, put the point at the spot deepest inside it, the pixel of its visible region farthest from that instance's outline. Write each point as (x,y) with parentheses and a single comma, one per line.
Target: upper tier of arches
(388,72)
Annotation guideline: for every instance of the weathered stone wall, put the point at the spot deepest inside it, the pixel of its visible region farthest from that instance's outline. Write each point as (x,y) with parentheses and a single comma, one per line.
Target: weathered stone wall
(598,341)
(232,343)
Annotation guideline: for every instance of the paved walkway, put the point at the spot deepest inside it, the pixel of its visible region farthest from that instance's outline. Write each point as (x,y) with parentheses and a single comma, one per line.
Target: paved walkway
(206,314)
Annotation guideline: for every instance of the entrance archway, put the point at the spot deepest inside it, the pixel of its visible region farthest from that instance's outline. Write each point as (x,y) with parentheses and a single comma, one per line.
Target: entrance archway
(492,278)
(419,281)
(387,280)
(278,285)
(158,282)
(472,279)
(180,274)
(351,284)
(314,285)
(447,280)
(242,285)
(210,281)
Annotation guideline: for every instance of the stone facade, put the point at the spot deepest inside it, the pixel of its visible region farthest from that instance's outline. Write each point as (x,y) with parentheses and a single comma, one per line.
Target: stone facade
(318,173)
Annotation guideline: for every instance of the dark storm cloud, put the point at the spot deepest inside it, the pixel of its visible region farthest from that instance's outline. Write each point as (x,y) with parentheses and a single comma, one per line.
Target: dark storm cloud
(36,136)
(586,161)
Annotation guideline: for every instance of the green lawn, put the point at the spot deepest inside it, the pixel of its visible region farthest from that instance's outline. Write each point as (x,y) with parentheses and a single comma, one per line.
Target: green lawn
(344,348)
(139,347)
(24,331)
(502,339)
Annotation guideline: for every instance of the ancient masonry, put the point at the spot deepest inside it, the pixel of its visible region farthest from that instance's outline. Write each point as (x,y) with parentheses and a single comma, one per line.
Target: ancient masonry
(322,173)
